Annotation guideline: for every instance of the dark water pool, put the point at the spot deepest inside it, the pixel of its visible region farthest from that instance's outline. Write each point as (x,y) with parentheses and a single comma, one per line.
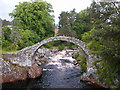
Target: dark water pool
(55,75)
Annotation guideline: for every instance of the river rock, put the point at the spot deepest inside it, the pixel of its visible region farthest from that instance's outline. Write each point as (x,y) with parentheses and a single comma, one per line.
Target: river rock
(10,72)
(34,71)
(92,81)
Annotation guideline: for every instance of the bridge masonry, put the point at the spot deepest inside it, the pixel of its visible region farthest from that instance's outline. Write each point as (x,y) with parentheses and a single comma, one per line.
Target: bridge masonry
(25,57)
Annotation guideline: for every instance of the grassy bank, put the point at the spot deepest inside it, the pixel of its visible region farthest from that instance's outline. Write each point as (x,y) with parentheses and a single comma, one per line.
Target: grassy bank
(8,51)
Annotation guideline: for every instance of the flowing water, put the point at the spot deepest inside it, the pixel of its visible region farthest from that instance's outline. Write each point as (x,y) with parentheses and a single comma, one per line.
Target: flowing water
(60,72)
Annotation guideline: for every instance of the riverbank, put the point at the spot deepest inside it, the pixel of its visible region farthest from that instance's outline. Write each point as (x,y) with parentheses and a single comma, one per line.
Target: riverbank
(93,82)
(66,56)
(61,61)
(59,71)
(11,72)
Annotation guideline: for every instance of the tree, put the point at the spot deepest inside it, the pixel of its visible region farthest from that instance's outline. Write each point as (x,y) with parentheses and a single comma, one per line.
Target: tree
(28,38)
(36,16)
(67,19)
(33,22)
(106,20)
(104,38)
(72,23)
(5,23)
(65,31)
(82,23)
(6,31)
(66,23)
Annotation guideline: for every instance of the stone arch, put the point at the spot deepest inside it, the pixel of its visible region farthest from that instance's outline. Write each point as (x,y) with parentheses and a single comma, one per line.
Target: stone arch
(63,38)
(26,55)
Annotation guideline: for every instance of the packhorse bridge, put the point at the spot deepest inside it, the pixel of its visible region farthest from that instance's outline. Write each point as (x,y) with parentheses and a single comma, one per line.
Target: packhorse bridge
(25,57)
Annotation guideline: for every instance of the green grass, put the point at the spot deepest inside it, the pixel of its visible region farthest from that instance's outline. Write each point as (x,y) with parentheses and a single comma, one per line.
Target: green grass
(7,51)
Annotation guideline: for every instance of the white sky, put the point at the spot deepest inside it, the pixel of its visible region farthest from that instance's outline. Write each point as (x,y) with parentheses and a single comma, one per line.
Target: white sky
(7,6)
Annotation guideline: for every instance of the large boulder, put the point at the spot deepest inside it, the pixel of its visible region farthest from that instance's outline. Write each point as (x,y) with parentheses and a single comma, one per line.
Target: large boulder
(12,72)
(34,71)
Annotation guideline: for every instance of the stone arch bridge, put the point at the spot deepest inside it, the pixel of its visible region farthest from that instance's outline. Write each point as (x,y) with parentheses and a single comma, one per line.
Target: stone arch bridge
(25,56)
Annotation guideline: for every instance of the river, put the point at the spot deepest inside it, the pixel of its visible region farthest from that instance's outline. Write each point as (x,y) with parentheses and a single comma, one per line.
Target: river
(60,72)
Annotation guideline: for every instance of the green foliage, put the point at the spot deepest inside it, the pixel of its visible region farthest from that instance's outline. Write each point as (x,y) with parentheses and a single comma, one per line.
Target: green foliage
(95,47)
(61,47)
(98,26)
(73,46)
(92,42)
(87,36)
(12,47)
(74,24)
(104,71)
(67,19)
(81,57)
(25,38)
(83,64)
(33,22)
(59,44)
(66,23)
(67,44)
(104,38)
(82,23)
(67,32)
(48,45)
(5,43)
(6,31)
(34,16)
(75,55)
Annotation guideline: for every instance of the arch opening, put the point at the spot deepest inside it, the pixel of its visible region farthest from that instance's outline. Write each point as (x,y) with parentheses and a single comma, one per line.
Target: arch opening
(73,40)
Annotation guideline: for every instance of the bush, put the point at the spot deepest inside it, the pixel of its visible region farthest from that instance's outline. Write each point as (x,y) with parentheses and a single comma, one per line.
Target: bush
(5,43)
(80,56)
(83,64)
(61,47)
(12,47)
(95,47)
(106,73)
(75,55)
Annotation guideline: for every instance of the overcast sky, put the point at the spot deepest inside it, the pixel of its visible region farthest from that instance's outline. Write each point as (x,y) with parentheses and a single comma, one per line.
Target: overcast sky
(7,6)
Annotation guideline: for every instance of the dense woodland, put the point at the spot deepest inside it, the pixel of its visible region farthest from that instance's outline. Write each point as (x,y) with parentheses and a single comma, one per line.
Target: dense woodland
(98,26)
